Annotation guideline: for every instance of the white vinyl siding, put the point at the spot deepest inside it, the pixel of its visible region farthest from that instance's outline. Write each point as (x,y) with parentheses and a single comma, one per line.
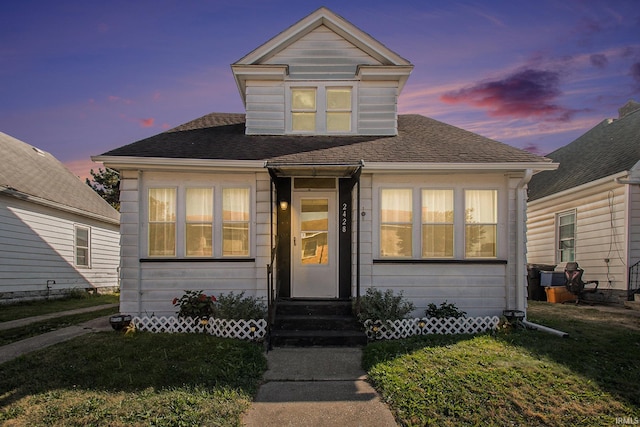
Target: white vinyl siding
(39,248)
(600,231)
(477,287)
(322,54)
(148,287)
(377,108)
(265,108)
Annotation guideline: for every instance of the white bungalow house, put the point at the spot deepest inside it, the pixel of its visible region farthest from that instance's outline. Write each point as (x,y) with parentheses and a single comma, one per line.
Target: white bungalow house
(56,233)
(588,211)
(324,181)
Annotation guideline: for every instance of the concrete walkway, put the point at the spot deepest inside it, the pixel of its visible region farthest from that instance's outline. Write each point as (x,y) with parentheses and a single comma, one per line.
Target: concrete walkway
(314,386)
(11,351)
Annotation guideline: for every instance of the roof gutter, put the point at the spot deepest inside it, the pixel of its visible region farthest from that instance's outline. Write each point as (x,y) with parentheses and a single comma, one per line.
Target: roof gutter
(164,163)
(394,167)
(58,206)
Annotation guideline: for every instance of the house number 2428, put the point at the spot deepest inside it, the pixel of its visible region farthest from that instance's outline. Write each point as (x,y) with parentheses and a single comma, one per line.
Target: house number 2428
(343,221)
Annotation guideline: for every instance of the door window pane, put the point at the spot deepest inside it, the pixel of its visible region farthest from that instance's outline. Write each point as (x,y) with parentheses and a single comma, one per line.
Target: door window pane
(481,218)
(314,231)
(162,221)
(396,228)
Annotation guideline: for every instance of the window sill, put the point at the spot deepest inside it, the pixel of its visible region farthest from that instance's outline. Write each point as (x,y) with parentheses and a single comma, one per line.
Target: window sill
(187,260)
(439,261)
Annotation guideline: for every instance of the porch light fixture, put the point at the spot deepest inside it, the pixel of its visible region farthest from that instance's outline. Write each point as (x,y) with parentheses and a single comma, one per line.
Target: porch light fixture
(284,205)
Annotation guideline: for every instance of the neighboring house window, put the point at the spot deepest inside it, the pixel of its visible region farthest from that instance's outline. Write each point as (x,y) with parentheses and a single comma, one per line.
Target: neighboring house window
(199,222)
(235,221)
(396,222)
(321,110)
(481,223)
(83,254)
(437,223)
(566,223)
(162,222)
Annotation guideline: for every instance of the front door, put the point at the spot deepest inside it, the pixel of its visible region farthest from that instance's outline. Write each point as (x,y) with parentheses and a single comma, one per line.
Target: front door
(314,246)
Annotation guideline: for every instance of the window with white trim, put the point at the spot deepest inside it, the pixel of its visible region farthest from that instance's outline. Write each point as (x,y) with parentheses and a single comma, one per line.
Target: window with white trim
(321,109)
(481,223)
(162,221)
(194,222)
(566,232)
(432,234)
(82,246)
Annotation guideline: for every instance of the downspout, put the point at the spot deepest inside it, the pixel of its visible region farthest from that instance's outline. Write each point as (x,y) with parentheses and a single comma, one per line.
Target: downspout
(140,203)
(521,240)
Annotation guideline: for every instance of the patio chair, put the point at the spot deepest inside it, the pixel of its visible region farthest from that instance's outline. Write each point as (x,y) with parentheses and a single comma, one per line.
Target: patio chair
(575,284)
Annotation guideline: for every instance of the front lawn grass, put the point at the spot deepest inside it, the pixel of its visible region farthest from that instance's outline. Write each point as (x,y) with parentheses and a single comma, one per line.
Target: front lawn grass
(79,299)
(515,377)
(140,379)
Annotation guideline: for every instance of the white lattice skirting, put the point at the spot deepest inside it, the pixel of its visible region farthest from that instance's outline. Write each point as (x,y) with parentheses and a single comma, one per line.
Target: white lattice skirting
(396,329)
(253,330)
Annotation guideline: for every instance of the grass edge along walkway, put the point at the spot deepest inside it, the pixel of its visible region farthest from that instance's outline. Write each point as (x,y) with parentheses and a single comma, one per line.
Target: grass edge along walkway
(33,319)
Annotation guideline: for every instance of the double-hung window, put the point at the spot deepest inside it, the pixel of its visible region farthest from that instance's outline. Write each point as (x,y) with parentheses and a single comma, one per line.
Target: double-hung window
(199,222)
(566,232)
(321,110)
(437,223)
(481,223)
(235,222)
(82,252)
(162,221)
(396,222)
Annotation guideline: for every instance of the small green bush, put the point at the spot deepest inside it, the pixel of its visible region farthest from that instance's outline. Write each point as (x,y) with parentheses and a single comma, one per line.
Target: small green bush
(444,310)
(237,307)
(377,305)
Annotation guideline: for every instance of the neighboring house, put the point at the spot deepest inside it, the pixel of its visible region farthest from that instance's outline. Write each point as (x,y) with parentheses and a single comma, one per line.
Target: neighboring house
(56,233)
(588,211)
(322,172)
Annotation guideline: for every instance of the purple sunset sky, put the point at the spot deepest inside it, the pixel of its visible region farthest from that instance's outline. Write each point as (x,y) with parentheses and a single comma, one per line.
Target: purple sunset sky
(78,78)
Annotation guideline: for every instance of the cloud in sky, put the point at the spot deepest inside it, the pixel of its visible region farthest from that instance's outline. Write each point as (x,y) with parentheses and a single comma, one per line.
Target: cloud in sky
(599,60)
(523,94)
(146,123)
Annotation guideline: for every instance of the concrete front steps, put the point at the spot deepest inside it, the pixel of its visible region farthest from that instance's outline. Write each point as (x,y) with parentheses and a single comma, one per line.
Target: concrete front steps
(316,322)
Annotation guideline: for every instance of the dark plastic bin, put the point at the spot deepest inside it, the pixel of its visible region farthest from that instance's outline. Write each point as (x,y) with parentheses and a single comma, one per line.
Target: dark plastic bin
(535,291)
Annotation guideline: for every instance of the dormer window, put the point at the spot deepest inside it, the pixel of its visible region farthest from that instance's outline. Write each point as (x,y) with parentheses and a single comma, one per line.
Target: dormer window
(321,109)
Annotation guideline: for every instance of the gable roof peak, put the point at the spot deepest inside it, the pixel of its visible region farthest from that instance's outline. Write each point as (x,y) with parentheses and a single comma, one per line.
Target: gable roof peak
(323,16)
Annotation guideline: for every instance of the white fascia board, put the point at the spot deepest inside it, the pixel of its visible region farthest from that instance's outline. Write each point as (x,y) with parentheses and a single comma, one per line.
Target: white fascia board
(244,72)
(399,73)
(164,163)
(403,167)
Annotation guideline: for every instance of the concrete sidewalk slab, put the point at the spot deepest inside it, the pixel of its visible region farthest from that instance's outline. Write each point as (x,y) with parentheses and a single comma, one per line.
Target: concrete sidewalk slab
(317,387)
(18,348)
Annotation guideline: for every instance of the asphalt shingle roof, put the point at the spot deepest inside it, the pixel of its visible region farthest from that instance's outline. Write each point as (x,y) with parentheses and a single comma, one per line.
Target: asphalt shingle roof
(34,172)
(420,139)
(610,147)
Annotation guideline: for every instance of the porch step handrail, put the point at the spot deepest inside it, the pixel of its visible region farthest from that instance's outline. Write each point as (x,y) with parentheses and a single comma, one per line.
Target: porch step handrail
(633,286)
(272,292)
